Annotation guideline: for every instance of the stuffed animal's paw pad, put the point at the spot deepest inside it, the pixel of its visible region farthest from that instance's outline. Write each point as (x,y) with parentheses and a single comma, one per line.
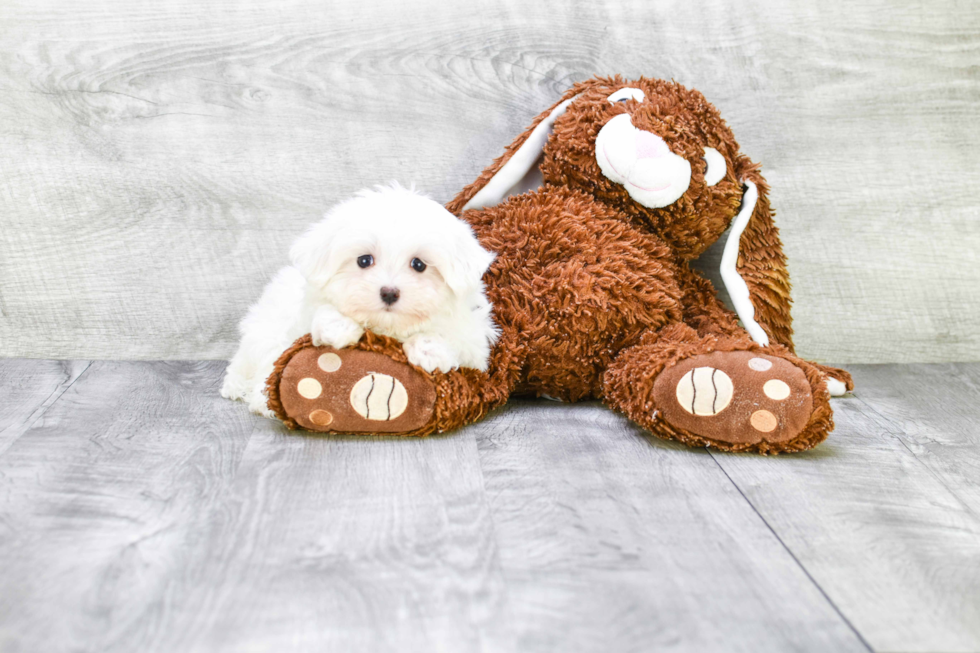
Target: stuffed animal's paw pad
(704,391)
(735,397)
(379,397)
(354,391)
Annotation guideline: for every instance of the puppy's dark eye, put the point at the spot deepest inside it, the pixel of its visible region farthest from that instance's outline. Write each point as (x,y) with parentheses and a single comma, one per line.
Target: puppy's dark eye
(365,261)
(624,99)
(418,265)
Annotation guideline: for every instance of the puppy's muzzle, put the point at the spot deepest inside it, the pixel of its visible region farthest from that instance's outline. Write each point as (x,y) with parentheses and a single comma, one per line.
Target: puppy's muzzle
(390,295)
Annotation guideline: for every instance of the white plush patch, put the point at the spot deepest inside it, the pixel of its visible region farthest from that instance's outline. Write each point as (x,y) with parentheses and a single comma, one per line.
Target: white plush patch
(704,391)
(835,387)
(716,166)
(521,170)
(738,290)
(641,162)
(379,397)
(627,94)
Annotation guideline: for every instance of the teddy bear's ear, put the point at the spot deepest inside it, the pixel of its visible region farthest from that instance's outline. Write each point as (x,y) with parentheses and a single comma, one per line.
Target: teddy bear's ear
(516,171)
(753,265)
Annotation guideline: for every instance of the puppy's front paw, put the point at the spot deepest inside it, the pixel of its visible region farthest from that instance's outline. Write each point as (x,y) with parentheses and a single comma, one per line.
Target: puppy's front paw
(258,402)
(430,354)
(338,332)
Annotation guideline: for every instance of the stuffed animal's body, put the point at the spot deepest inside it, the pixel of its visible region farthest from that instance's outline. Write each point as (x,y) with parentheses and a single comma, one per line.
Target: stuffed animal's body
(593,292)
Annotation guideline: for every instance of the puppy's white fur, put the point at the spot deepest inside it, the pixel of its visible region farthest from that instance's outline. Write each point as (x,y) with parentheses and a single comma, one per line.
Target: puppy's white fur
(442,315)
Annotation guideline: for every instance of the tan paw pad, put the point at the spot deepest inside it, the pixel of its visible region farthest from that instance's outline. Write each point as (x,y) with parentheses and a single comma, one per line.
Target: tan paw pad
(704,391)
(353,391)
(309,388)
(763,420)
(776,389)
(329,362)
(379,397)
(321,417)
(737,397)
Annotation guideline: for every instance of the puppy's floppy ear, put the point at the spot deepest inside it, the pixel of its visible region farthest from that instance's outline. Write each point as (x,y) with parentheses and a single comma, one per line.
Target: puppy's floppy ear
(761,262)
(516,170)
(461,261)
(315,254)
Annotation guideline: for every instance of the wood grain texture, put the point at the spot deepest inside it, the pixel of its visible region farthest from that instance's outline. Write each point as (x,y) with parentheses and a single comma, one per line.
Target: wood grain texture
(610,541)
(158,158)
(140,511)
(145,514)
(346,544)
(934,408)
(894,546)
(103,502)
(28,388)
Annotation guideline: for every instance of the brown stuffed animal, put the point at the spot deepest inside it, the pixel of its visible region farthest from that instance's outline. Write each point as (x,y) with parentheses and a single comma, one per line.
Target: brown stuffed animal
(594,294)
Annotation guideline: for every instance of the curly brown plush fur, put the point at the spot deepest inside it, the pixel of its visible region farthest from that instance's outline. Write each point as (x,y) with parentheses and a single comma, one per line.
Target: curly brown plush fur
(593,292)
(688,123)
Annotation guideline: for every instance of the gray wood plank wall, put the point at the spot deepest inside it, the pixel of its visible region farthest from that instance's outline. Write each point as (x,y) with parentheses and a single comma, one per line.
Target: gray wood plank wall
(157,158)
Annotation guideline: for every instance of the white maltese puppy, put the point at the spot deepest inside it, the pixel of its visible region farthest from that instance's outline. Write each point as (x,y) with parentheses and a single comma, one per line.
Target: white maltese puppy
(389,260)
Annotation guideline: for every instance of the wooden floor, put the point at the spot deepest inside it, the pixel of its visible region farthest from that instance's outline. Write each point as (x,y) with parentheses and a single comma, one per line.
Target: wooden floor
(139,511)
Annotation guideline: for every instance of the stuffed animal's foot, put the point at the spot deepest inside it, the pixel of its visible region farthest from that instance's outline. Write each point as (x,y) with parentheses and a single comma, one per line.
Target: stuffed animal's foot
(722,392)
(736,397)
(349,391)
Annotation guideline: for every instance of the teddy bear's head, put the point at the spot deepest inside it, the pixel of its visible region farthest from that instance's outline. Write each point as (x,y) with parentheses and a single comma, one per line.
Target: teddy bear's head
(662,156)
(658,152)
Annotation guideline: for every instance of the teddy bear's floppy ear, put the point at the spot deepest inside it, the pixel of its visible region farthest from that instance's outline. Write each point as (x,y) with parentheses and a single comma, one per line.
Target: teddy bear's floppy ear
(516,170)
(759,262)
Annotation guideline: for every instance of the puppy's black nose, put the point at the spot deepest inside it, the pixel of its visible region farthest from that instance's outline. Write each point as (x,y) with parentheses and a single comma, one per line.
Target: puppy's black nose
(390,295)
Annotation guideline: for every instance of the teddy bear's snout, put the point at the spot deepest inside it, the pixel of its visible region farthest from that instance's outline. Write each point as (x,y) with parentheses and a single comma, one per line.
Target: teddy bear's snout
(641,162)
(650,146)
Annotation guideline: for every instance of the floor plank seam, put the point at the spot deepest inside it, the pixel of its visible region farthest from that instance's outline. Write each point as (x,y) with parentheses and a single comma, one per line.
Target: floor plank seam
(799,564)
(52,399)
(897,431)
